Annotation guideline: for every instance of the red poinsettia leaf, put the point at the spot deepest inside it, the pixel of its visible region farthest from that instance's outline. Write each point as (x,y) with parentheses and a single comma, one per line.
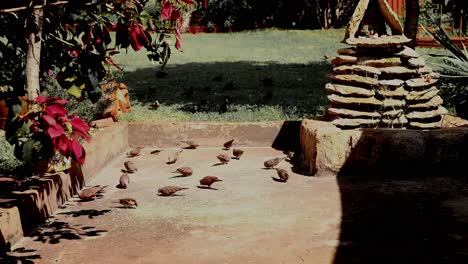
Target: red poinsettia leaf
(78,152)
(54,131)
(166,11)
(138,37)
(55,110)
(80,127)
(62,144)
(49,120)
(112,27)
(56,100)
(41,99)
(175,16)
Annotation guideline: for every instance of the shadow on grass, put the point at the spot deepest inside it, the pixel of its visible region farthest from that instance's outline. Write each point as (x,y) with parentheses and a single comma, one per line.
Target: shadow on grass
(299,88)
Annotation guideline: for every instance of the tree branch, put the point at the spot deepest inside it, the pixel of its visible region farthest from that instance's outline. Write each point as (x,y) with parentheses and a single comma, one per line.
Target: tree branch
(21,8)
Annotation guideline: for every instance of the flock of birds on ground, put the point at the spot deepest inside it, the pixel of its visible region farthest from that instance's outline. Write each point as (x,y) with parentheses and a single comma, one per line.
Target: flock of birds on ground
(206,182)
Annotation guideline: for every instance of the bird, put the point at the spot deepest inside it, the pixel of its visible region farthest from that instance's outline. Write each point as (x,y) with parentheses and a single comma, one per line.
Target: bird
(184,171)
(155,152)
(223,158)
(90,193)
(172,158)
(282,174)
(228,144)
(209,180)
(237,153)
(155,105)
(128,202)
(130,166)
(134,152)
(191,144)
(124,181)
(273,162)
(170,190)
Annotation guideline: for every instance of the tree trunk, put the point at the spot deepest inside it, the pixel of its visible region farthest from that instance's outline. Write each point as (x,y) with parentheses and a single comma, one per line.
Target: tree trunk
(411,21)
(33,55)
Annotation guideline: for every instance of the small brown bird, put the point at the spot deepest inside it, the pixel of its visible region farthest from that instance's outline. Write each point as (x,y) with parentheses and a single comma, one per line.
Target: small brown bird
(170,190)
(228,144)
(191,144)
(128,202)
(209,180)
(184,171)
(154,106)
(282,174)
(134,152)
(130,166)
(237,153)
(223,158)
(172,158)
(272,162)
(90,193)
(124,181)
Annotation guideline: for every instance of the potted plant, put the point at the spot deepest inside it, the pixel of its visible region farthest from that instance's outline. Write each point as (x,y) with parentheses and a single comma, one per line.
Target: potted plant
(47,137)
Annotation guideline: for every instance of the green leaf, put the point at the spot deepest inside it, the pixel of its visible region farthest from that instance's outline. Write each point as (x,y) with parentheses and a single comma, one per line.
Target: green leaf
(27,151)
(76,91)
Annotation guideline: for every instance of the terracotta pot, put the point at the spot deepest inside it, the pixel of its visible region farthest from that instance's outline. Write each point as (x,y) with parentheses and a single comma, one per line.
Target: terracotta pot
(57,163)
(118,95)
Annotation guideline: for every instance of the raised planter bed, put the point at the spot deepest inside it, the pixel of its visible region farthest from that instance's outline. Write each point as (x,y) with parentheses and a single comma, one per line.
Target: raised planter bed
(23,210)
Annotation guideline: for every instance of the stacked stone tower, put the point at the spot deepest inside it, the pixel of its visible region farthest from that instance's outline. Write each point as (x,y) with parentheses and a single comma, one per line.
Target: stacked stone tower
(378,81)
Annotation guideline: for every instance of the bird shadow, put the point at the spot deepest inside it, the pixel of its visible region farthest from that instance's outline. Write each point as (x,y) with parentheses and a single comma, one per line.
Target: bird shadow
(189,147)
(125,207)
(171,195)
(218,164)
(178,176)
(226,148)
(118,186)
(91,213)
(236,158)
(278,180)
(155,152)
(206,187)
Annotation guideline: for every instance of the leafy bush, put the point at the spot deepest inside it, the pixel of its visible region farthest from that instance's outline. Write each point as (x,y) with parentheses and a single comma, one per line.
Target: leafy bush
(453,68)
(249,14)
(8,162)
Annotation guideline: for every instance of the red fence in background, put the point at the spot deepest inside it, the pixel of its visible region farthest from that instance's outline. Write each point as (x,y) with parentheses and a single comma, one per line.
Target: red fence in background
(398,6)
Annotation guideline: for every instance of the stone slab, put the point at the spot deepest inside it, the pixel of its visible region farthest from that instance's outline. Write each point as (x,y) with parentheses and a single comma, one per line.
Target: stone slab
(330,151)
(209,134)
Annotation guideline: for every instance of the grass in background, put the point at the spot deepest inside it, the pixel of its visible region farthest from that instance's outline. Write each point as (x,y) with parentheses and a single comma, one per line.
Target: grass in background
(267,74)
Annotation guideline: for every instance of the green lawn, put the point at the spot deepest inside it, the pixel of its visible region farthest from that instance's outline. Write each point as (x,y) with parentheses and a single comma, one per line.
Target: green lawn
(269,75)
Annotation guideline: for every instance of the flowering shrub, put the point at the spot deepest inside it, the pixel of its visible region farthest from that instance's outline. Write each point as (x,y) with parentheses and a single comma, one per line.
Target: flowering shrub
(47,128)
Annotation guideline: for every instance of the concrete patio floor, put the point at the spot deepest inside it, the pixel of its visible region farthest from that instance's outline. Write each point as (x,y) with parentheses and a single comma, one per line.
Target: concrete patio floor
(251,218)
